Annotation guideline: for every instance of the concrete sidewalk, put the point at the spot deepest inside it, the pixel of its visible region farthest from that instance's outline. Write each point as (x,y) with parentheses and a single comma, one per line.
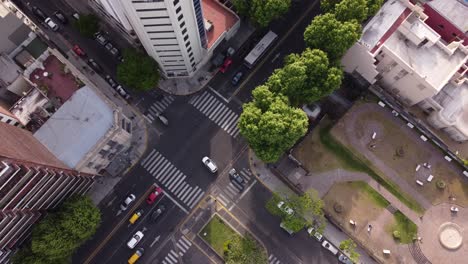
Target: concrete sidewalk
(267,178)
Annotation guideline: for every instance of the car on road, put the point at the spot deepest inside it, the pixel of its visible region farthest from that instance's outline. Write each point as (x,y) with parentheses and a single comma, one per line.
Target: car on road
(135,239)
(51,24)
(344,259)
(210,164)
(235,177)
(225,65)
(283,207)
(112,49)
(61,17)
(157,192)
(237,77)
(128,200)
(138,253)
(111,81)
(312,111)
(218,60)
(93,64)
(78,51)
(290,232)
(158,212)
(100,38)
(317,235)
(136,216)
(330,247)
(122,92)
(38,13)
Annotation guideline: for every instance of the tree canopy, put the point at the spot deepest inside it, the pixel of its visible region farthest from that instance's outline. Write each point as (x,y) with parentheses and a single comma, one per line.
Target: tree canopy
(349,247)
(244,250)
(357,9)
(305,78)
(270,125)
(87,25)
(331,35)
(56,237)
(138,71)
(262,12)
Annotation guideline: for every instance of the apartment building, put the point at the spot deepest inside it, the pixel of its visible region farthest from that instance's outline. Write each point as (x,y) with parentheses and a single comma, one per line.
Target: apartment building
(32,181)
(179,34)
(418,53)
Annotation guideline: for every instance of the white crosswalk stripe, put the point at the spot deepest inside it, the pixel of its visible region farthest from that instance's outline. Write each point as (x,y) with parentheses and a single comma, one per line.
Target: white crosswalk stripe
(217,111)
(246,174)
(182,246)
(159,107)
(273,260)
(171,178)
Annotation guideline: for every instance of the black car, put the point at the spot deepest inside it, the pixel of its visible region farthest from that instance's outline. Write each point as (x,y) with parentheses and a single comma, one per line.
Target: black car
(235,177)
(38,13)
(237,77)
(61,17)
(92,63)
(158,212)
(111,81)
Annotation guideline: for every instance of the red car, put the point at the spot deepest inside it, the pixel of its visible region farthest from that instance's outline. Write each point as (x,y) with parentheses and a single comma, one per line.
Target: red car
(79,51)
(225,65)
(154,195)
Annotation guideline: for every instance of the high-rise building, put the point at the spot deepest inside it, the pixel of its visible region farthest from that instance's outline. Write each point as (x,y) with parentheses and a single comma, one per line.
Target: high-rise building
(179,34)
(32,181)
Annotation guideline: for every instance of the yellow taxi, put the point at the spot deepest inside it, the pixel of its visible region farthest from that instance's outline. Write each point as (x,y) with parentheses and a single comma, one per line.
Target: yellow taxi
(138,253)
(135,216)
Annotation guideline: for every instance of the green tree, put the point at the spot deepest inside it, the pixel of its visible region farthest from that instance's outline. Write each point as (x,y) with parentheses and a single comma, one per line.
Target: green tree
(262,12)
(56,237)
(138,71)
(244,250)
(349,247)
(328,6)
(332,36)
(270,125)
(306,78)
(373,6)
(87,25)
(348,10)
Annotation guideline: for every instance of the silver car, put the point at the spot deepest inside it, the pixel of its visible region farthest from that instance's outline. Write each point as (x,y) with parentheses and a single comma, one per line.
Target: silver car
(124,205)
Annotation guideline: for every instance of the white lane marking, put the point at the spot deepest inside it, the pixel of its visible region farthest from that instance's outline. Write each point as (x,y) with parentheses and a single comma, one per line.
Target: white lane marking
(186,199)
(222,201)
(218,94)
(180,177)
(177,190)
(186,240)
(147,158)
(176,203)
(197,199)
(180,247)
(185,194)
(248,189)
(189,202)
(155,240)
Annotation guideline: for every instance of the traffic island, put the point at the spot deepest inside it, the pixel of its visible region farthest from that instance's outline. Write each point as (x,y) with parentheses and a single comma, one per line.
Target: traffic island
(217,234)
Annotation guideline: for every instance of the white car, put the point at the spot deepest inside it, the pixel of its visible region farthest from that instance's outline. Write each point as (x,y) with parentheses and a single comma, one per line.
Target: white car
(285,208)
(124,205)
(51,24)
(135,239)
(330,247)
(210,164)
(317,235)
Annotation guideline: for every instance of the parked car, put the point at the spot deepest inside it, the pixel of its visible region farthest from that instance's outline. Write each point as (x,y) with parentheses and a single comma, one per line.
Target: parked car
(135,239)
(78,51)
(138,253)
(100,38)
(93,64)
(225,65)
(210,164)
(218,60)
(122,92)
(38,13)
(344,259)
(51,24)
(158,212)
(312,111)
(113,50)
(330,247)
(76,16)
(237,77)
(235,177)
(111,81)
(316,235)
(290,232)
(136,216)
(163,119)
(157,192)
(283,207)
(61,17)
(128,200)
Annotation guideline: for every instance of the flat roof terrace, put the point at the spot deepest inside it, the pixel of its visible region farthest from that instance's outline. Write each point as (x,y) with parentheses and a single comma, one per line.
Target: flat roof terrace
(220,16)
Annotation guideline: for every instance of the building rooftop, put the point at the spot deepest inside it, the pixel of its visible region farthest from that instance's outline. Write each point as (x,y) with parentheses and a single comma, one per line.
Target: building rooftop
(51,78)
(77,126)
(20,144)
(221,17)
(14,32)
(454,99)
(454,11)
(30,107)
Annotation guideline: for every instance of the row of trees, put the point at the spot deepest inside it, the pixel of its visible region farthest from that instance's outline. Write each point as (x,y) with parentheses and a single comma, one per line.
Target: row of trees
(272,122)
(244,250)
(262,12)
(57,236)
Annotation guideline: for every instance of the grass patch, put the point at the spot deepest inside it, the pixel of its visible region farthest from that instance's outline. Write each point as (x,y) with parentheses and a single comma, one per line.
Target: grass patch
(218,234)
(371,193)
(406,229)
(354,162)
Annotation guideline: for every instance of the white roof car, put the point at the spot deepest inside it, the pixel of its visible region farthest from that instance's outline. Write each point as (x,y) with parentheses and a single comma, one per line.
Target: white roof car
(135,239)
(317,235)
(51,24)
(285,208)
(210,164)
(130,198)
(330,247)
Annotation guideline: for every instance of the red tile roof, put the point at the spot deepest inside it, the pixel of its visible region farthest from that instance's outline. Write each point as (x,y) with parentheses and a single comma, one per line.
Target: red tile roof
(222,18)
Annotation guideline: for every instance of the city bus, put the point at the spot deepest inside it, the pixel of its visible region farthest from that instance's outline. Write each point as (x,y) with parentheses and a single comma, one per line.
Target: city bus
(254,56)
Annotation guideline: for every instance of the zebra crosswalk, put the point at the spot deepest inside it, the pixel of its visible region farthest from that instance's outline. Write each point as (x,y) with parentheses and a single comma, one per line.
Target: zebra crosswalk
(233,189)
(217,111)
(158,107)
(182,246)
(273,260)
(172,179)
